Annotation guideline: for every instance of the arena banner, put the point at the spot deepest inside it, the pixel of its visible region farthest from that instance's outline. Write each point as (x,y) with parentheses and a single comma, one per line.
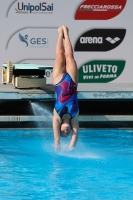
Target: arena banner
(100,40)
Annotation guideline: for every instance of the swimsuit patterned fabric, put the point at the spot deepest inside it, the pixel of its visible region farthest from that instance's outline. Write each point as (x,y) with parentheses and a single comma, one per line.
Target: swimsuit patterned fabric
(66,96)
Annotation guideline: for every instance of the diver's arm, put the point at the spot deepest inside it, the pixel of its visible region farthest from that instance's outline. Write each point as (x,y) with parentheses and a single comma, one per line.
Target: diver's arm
(56,129)
(75,127)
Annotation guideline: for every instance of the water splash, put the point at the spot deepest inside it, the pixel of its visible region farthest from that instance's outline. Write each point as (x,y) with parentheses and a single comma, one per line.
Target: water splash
(41,111)
(79,152)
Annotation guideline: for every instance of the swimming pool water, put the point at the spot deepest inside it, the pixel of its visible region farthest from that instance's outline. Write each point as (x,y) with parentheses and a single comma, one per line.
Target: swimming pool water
(100,167)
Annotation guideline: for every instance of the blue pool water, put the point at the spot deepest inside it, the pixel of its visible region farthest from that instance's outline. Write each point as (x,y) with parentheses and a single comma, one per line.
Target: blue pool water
(100,167)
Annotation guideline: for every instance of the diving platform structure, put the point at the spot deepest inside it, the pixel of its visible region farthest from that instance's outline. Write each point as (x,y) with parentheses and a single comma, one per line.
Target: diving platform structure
(25,75)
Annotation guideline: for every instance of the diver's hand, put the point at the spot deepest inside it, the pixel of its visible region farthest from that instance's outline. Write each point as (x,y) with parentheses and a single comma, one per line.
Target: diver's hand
(57,144)
(57,147)
(70,148)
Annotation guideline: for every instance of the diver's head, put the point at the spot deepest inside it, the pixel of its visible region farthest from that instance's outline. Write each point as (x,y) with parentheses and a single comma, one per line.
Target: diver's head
(65,129)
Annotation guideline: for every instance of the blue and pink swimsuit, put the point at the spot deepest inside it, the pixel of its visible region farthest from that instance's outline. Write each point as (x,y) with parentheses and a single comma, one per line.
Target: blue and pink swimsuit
(66,96)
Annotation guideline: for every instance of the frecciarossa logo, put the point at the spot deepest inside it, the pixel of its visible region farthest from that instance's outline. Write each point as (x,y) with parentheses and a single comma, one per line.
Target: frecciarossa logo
(100,40)
(99,10)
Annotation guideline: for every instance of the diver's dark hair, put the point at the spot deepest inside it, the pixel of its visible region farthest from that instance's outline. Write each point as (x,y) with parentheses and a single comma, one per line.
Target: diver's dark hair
(64,135)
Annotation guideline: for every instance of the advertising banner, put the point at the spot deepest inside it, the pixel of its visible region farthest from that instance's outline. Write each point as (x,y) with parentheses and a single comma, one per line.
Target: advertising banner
(100,32)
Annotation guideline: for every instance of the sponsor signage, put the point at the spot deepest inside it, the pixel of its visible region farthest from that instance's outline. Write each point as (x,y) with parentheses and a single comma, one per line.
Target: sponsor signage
(100,71)
(100,40)
(99,10)
(30,8)
(33,41)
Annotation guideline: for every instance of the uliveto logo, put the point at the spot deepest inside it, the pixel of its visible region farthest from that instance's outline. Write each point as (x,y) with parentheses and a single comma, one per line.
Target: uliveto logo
(100,40)
(100,71)
(31,9)
(33,41)
(99,10)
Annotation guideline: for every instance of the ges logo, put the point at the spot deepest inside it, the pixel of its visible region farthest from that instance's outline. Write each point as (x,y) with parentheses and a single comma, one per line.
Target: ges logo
(33,41)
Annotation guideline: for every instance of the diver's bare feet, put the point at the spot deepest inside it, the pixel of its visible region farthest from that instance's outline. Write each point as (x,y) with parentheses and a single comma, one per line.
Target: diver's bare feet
(65,30)
(60,31)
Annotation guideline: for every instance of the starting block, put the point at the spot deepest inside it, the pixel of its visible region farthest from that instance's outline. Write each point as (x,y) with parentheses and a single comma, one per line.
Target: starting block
(25,75)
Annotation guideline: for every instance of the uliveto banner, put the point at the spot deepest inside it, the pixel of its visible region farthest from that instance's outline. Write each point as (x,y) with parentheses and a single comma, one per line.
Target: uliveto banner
(101,71)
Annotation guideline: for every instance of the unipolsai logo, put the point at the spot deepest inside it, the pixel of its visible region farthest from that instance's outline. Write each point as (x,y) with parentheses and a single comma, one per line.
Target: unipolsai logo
(100,40)
(99,10)
(33,42)
(41,8)
(100,71)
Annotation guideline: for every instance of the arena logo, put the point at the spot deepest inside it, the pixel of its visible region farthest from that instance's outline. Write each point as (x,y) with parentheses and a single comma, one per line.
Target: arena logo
(100,71)
(33,42)
(40,8)
(99,10)
(100,40)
